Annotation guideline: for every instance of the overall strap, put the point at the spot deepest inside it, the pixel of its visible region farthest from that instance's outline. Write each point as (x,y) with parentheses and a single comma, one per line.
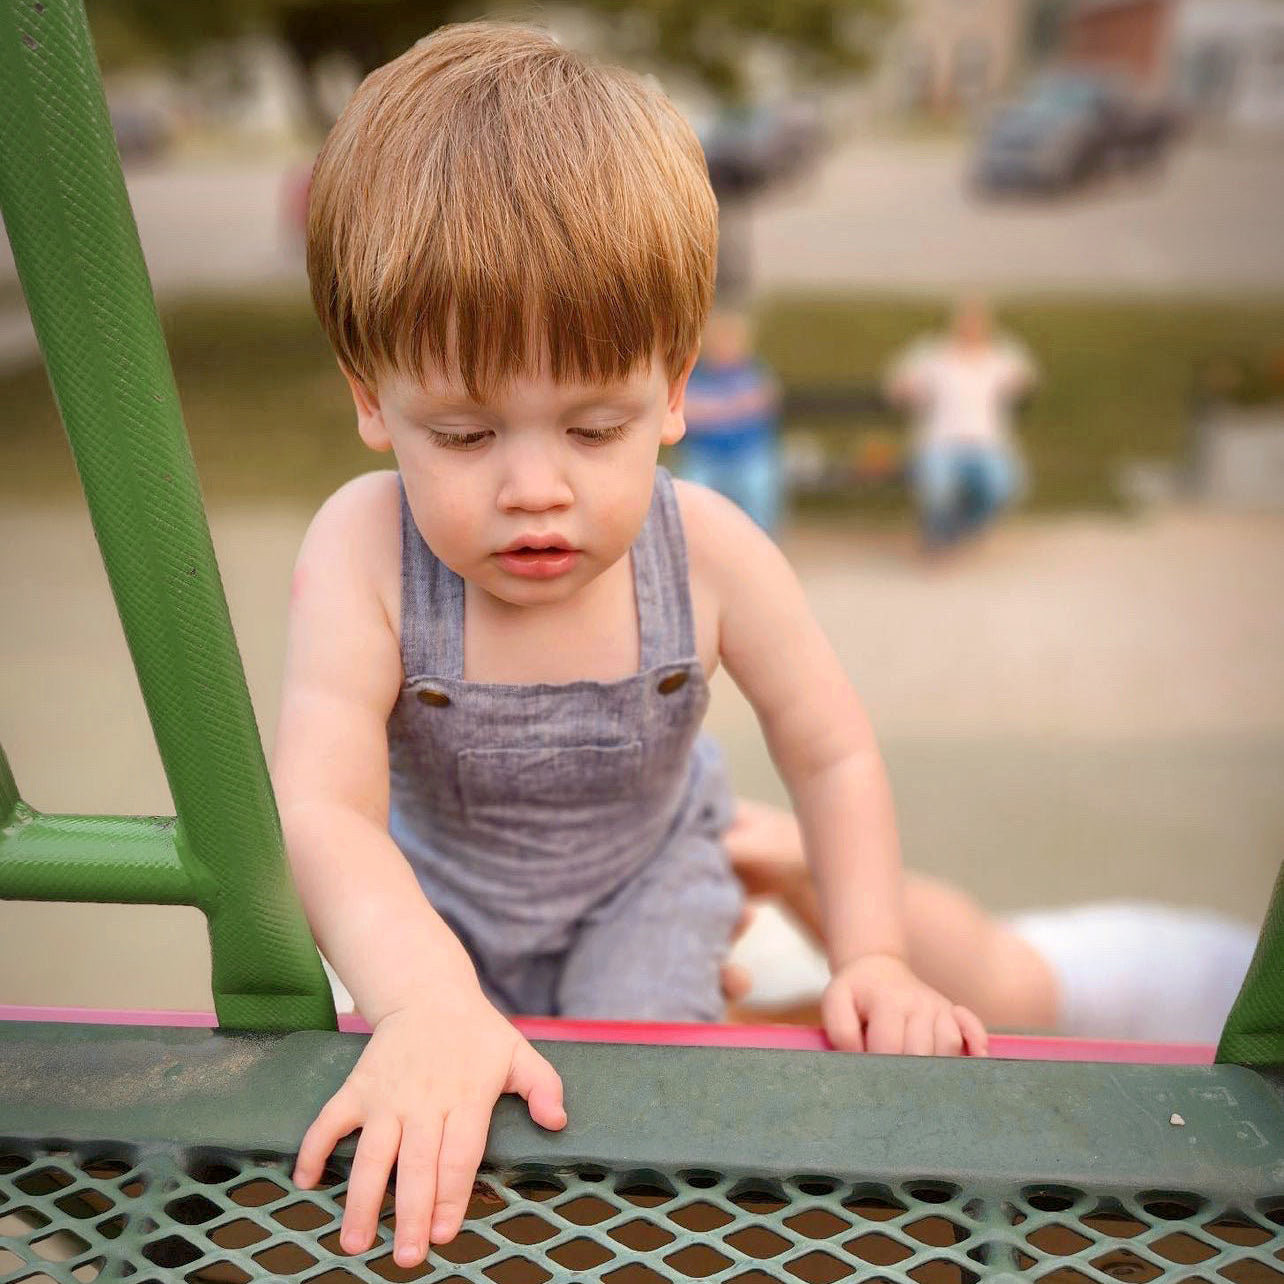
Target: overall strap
(432,606)
(662,581)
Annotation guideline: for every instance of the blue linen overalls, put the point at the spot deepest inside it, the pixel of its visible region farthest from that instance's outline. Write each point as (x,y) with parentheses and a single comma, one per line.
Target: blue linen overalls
(569,834)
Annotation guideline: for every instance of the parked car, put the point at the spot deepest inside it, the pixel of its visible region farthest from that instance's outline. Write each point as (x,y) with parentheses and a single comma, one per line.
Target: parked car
(753,147)
(1069,127)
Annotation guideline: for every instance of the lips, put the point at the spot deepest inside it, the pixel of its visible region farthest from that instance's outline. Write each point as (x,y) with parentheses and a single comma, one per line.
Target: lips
(537,544)
(538,557)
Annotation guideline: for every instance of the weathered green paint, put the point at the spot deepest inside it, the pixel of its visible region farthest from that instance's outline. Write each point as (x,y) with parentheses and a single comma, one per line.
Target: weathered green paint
(736,1110)
(76,247)
(732,1160)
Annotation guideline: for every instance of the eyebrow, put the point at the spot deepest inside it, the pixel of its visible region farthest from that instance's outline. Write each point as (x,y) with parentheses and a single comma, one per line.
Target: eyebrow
(607,396)
(427,404)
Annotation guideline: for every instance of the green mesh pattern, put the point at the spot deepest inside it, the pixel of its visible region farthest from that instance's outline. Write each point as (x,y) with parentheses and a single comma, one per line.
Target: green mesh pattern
(172,1214)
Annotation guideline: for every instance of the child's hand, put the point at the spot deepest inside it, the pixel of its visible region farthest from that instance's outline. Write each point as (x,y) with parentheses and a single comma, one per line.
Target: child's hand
(422,1095)
(876,1004)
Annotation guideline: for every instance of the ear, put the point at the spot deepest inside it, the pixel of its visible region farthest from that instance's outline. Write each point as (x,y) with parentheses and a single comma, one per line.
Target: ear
(370,424)
(675,423)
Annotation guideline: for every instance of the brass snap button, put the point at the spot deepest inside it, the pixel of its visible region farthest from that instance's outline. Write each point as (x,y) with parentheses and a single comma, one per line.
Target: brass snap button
(674,682)
(439,699)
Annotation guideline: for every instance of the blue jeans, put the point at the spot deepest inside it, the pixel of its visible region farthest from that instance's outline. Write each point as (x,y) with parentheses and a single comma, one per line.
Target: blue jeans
(961,486)
(750,477)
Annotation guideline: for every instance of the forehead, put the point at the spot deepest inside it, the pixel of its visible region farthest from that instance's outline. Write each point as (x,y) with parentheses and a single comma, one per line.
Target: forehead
(437,387)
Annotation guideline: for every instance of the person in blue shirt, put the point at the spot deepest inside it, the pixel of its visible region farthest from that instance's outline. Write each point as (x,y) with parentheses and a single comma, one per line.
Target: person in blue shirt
(732,413)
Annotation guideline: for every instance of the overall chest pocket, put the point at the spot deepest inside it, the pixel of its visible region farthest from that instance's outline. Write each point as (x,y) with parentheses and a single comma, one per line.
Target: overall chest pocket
(534,796)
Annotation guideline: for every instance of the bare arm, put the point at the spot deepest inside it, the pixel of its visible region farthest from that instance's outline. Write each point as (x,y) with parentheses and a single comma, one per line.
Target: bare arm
(330,769)
(816,730)
(824,748)
(440,1054)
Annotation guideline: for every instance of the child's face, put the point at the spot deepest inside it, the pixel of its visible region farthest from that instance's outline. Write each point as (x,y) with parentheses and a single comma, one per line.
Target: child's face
(533,494)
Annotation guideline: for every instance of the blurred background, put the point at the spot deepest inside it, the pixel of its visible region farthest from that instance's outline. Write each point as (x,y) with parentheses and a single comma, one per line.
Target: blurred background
(1076,671)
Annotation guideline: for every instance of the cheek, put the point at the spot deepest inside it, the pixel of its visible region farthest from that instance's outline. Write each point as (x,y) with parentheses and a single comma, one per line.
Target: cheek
(622,498)
(449,506)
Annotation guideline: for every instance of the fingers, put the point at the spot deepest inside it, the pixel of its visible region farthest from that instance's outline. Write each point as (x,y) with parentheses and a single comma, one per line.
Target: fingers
(948,1036)
(338,1117)
(920,1035)
(375,1152)
(533,1079)
(885,1030)
(976,1041)
(462,1145)
(417,1166)
(842,1021)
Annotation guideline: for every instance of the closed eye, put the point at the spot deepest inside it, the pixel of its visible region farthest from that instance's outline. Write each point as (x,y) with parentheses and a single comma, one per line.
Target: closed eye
(599,436)
(458,440)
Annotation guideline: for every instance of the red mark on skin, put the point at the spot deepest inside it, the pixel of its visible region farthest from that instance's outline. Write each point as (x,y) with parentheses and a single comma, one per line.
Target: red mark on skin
(296,585)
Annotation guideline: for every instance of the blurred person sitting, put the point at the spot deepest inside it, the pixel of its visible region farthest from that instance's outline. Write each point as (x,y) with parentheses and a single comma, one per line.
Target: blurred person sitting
(732,406)
(960,388)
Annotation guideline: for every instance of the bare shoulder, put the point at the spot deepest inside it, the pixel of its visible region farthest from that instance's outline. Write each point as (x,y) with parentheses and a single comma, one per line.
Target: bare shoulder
(721,539)
(353,543)
(362,508)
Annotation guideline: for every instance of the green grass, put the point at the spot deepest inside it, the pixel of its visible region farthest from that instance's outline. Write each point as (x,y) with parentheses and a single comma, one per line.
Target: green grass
(269,415)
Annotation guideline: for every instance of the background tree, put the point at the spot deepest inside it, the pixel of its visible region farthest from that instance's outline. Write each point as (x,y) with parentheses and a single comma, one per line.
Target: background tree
(709,41)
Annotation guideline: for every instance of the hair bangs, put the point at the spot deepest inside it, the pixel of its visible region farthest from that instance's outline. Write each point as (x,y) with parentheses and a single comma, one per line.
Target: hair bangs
(511,210)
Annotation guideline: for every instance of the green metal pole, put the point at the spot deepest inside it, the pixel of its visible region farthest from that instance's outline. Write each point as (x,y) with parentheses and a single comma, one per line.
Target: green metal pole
(81,266)
(1254,1033)
(129,859)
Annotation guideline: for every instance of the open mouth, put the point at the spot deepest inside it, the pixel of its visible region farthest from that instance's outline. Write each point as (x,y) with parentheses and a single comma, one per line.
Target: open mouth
(538,560)
(530,550)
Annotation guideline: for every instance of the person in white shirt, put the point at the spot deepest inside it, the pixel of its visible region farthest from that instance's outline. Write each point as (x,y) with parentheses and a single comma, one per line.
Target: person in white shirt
(960,388)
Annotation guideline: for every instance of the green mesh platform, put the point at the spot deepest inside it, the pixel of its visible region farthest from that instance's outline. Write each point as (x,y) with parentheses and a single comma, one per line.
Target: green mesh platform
(224,1218)
(174,1166)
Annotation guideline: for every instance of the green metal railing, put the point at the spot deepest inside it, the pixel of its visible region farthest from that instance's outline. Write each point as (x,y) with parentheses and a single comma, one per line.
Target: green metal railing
(73,237)
(162,1155)
(737,1165)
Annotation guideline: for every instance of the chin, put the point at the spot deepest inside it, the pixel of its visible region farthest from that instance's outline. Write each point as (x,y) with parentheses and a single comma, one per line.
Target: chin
(518,592)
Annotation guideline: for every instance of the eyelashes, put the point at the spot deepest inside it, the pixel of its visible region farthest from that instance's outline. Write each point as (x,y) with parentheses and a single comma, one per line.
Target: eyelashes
(599,436)
(457,440)
(472,440)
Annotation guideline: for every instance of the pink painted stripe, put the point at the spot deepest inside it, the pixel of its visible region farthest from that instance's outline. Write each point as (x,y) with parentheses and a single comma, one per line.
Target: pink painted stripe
(1007,1047)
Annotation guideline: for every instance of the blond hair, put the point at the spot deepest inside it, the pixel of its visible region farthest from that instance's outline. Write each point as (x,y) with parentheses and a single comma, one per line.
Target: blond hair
(489,198)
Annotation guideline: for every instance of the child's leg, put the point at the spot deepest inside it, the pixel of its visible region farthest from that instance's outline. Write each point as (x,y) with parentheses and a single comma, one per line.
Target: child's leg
(1106,970)
(953,944)
(977,960)
(655,949)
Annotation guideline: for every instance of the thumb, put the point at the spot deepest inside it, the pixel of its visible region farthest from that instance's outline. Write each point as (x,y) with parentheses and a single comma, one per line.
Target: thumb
(533,1079)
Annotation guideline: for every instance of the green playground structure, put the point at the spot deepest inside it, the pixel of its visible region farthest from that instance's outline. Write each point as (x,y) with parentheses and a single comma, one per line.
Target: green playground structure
(162,1153)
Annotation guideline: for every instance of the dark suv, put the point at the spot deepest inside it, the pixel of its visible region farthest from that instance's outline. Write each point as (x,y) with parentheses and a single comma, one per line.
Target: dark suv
(1067,128)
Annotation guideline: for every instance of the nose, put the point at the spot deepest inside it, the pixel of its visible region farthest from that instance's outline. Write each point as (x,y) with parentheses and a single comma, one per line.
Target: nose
(533,480)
